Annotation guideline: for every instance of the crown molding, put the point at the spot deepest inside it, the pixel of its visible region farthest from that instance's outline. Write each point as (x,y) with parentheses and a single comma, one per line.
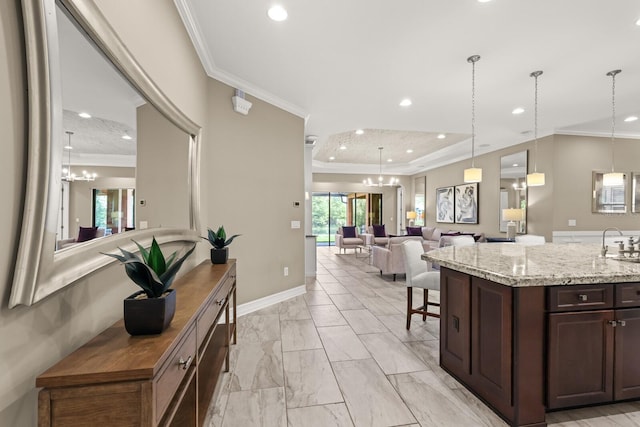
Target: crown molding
(210,68)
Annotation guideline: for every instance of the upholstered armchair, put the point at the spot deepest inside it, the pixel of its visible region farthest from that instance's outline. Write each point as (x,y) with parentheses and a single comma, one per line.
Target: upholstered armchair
(379,235)
(389,259)
(348,237)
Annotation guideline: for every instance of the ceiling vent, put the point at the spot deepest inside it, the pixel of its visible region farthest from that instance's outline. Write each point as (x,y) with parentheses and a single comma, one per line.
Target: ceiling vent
(310,140)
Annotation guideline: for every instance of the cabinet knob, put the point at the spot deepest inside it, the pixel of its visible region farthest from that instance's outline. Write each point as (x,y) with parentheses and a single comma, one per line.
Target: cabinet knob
(622,323)
(583,297)
(184,364)
(221,301)
(613,323)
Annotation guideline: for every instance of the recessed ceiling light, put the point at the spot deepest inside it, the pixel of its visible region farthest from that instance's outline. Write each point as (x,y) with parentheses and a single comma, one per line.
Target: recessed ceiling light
(405,102)
(127,137)
(85,115)
(409,151)
(518,110)
(332,158)
(442,136)
(515,165)
(277,13)
(638,22)
(343,147)
(359,132)
(483,1)
(389,160)
(631,119)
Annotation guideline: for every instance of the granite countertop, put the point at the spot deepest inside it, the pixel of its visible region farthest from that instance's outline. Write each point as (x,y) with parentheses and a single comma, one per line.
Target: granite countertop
(543,265)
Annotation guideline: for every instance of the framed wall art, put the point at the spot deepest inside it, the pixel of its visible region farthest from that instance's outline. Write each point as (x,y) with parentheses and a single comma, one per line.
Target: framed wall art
(445,204)
(466,203)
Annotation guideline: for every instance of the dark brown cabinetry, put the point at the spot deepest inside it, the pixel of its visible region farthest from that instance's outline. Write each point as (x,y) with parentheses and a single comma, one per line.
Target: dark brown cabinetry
(155,380)
(491,340)
(592,353)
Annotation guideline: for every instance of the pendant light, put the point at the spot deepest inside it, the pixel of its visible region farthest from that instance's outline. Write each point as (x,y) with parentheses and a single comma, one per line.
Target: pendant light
(535,179)
(613,179)
(473,174)
(380,182)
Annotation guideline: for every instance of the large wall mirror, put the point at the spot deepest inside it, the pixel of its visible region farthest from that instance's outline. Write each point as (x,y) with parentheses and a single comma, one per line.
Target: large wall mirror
(110,157)
(513,188)
(608,198)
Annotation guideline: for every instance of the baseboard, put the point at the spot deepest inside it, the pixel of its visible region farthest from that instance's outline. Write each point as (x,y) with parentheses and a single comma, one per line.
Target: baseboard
(264,302)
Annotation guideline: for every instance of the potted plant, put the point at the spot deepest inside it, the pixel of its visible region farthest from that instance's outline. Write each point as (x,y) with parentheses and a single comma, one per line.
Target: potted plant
(219,241)
(150,310)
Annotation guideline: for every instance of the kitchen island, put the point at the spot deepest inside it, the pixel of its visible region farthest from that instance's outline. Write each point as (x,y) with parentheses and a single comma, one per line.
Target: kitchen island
(530,329)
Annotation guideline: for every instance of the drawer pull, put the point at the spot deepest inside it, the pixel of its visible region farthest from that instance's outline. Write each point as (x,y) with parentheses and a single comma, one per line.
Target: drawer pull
(622,323)
(583,297)
(613,323)
(221,301)
(184,364)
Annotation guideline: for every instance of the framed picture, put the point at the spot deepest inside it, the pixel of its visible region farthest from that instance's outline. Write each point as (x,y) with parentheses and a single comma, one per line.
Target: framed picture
(444,204)
(466,203)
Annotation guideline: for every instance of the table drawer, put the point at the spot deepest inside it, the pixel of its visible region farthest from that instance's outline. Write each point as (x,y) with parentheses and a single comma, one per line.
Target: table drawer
(213,307)
(580,297)
(627,295)
(174,371)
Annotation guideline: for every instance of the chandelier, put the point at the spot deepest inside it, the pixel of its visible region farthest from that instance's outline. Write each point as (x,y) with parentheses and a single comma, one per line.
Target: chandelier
(69,176)
(380,181)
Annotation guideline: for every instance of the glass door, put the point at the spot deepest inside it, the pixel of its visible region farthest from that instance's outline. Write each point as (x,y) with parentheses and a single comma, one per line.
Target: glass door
(113,209)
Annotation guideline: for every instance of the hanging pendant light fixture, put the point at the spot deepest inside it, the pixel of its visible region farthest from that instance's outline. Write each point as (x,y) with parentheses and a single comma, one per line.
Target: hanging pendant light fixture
(535,179)
(613,178)
(69,176)
(473,174)
(380,181)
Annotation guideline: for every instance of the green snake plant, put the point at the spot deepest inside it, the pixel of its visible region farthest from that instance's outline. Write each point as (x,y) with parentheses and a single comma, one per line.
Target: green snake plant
(153,273)
(219,239)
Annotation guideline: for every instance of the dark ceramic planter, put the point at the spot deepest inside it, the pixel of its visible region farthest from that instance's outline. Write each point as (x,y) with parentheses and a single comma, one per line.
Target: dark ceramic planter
(149,316)
(219,256)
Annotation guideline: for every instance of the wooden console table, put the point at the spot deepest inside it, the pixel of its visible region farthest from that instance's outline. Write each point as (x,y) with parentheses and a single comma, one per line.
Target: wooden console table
(156,380)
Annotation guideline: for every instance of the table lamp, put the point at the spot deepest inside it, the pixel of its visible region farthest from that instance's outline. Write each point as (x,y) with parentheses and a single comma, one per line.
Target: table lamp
(411,216)
(512,215)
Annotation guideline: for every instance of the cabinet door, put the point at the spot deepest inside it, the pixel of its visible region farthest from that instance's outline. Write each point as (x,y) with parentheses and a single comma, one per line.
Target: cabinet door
(580,367)
(455,327)
(627,348)
(491,349)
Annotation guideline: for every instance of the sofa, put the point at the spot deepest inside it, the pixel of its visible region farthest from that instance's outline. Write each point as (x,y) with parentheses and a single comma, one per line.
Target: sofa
(388,258)
(84,234)
(348,237)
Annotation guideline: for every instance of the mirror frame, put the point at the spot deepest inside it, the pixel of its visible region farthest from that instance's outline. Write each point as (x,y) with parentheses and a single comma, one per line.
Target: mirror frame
(40,271)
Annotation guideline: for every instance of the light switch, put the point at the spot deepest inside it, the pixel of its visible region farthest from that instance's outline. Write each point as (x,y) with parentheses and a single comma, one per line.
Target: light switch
(572,223)
(295,224)
(144,225)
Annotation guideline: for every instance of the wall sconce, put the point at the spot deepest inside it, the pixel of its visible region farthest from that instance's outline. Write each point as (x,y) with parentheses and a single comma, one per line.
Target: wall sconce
(513,216)
(411,216)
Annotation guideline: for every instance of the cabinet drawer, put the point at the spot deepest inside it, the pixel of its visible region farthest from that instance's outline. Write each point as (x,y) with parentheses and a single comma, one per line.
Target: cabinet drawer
(173,372)
(582,297)
(628,295)
(213,307)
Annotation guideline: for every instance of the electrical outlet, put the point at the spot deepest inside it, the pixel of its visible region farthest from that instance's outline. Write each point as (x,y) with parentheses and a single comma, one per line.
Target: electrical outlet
(286,271)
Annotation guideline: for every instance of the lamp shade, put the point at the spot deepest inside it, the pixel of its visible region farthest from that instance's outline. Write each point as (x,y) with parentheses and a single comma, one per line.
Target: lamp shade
(613,179)
(512,214)
(411,215)
(535,179)
(472,175)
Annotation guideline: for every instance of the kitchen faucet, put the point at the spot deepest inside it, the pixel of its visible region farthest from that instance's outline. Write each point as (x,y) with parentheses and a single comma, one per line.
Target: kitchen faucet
(603,251)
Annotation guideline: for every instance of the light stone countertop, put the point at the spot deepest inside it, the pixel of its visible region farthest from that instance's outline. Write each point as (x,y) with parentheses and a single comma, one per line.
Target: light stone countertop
(543,265)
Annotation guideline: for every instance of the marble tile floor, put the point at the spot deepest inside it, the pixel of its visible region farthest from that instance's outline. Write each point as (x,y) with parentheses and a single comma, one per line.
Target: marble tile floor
(340,356)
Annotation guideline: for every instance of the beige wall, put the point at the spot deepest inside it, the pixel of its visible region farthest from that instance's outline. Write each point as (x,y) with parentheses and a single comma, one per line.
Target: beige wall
(568,162)
(253,171)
